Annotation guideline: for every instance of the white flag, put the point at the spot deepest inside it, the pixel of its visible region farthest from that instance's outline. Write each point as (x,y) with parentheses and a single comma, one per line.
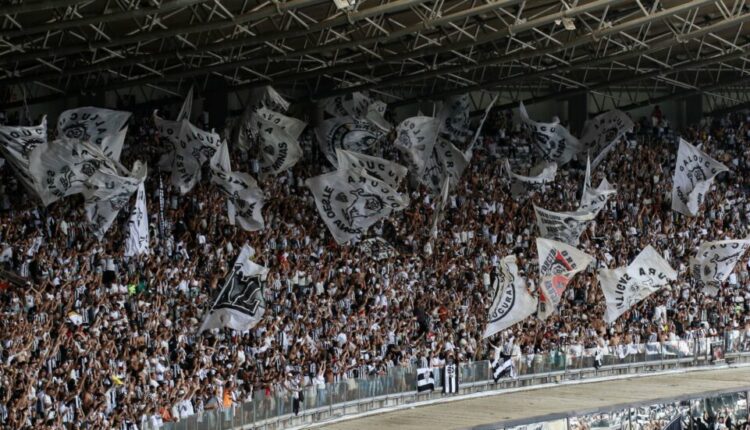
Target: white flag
(291,126)
(356,105)
(416,137)
(624,287)
(714,261)
(244,197)
(551,140)
(65,167)
(387,171)
(352,134)
(440,206)
(102,204)
(521,184)
(564,227)
(265,97)
(593,200)
(241,302)
(694,173)
(137,241)
(455,120)
(350,201)
(187,106)
(511,302)
(558,264)
(376,115)
(587,177)
(279,151)
(16,144)
(600,134)
(446,161)
(101,127)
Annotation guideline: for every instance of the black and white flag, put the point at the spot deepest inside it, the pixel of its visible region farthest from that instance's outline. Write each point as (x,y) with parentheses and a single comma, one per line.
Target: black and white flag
(16,144)
(104,128)
(350,201)
(279,150)
(521,185)
(450,378)
(352,134)
(102,204)
(440,204)
(137,241)
(455,120)
(624,287)
(264,97)
(714,261)
(379,168)
(594,199)
(416,138)
(551,140)
(511,301)
(503,367)
(694,173)
(601,134)
(558,264)
(376,115)
(378,248)
(241,303)
(446,161)
(65,167)
(244,197)
(187,106)
(565,227)
(425,379)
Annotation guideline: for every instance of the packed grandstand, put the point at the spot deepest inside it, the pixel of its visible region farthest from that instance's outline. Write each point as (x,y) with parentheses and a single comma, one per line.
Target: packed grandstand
(184,295)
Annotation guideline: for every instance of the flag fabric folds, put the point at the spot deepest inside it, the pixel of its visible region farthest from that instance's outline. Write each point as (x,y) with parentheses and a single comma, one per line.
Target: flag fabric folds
(624,287)
(600,134)
(350,201)
(379,168)
(551,140)
(16,144)
(103,204)
(558,264)
(137,241)
(244,197)
(714,261)
(594,200)
(416,138)
(103,128)
(279,150)
(241,303)
(503,367)
(425,379)
(511,301)
(565,227)
(264,97)
(694,173)
(521,185)
(352,134)
(454,118)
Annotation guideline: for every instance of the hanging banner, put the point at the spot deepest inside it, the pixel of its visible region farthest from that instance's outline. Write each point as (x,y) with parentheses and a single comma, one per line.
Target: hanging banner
(624,287)
(551,140)
(511,301)
(565,227)
(714,261)
(694,173)
(558,264)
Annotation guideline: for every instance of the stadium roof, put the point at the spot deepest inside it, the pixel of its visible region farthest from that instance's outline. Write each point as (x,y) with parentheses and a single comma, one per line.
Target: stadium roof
(405,50)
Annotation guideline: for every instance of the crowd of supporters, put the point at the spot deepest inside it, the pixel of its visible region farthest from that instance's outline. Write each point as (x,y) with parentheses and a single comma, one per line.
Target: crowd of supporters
(91,339)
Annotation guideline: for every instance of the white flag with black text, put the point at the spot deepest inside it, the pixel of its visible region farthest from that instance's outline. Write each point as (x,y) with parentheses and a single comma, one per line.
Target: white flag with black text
(624,287)
(564,227)
(16,144)
(601,133)
(694,173)
(387,171)
(416,138)
(352,134)
(244,197)
(714,261)
(551,140)
(104,128)
(137,241)
(558,264)
(511,301)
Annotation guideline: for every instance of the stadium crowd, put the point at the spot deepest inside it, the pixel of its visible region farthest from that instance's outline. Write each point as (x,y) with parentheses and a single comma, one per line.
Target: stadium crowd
(97,340)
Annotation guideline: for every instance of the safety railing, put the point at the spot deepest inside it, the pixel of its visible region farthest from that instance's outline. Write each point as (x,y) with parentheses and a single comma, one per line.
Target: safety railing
(271,409)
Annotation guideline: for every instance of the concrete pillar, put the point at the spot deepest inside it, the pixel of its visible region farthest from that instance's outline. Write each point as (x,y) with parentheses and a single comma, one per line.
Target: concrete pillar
(578,112)
(693,106)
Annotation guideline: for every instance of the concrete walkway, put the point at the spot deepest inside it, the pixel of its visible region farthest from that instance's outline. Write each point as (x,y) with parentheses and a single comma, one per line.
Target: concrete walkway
(552,402)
